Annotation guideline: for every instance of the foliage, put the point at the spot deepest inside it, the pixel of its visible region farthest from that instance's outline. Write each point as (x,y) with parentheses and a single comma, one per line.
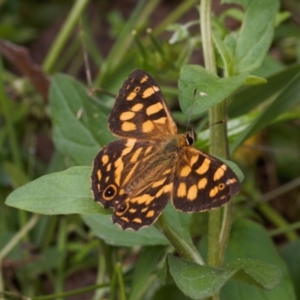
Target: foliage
(174,257)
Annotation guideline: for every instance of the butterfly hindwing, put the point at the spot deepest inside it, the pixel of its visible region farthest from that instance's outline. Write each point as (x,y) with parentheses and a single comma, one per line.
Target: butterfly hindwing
(145,207)
(140,110)
(106,182)
(129,177)
(202,182)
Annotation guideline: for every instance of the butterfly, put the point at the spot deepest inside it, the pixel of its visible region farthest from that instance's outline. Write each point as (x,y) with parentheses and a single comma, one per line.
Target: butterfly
(151,163)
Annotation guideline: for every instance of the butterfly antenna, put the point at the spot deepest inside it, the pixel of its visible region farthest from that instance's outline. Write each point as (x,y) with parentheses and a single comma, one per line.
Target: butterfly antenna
(189,118)
(216,123)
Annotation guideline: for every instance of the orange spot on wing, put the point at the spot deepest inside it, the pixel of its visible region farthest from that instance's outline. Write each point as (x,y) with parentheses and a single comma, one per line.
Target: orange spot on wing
(204,167)
(105,159)
(202,183)
(131,96)
(220,172)
(192,193)
(136,154)
(137,107)
(150,214)
(128,126)
(148,126)
(128,115)
(154,108)
(181,191)
(185,171)
(213,192)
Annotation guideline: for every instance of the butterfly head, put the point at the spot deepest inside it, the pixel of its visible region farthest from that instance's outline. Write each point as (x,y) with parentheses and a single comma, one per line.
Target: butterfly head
(190,137)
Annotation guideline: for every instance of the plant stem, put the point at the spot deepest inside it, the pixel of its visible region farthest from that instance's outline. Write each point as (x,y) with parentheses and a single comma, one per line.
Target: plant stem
(174,15)
(218,231)
(64,35)
(206,34)
(120,279)
(7,113)
(72,293)
(14,241)
(122,45)
(273,216)
(61,245)
(285,229)
(182,247)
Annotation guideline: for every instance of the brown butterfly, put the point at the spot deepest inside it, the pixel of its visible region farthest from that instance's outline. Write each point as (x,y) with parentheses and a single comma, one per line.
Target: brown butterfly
(151,163)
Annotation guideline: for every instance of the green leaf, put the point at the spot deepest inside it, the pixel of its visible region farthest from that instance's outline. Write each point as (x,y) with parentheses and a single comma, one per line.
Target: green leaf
(288,98)
(144,267)
(248,98)
(163,274)
(256,272)
(79,122)
(291,255)
(269,67)
(197,281)
(103,227)
(225,53)
(256,33)
(64,192)
(210,89)
(250,240)
(255,80)
(200,282)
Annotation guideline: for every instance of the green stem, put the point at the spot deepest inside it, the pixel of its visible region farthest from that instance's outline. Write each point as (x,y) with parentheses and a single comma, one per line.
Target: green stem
(214,215)
(7,113)
(219,219)
(122,293)
(14,241)
(62,239)
(105,267)
(17,237)
(281,190)
(185,249)
(64,34)
(72,293)
(261,201)
(122,45)
(174,15)
(273,216)
(225,229)
(206,34)
(286,229)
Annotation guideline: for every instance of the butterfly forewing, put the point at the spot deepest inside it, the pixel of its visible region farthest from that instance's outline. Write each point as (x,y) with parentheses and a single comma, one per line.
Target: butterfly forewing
(140,110)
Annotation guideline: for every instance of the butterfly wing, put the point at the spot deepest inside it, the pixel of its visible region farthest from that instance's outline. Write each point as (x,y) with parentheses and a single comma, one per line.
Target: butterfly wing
(129,176)
(140,111)
(202,182)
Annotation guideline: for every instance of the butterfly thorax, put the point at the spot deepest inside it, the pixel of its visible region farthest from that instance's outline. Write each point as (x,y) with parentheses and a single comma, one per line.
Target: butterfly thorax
(163,156)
